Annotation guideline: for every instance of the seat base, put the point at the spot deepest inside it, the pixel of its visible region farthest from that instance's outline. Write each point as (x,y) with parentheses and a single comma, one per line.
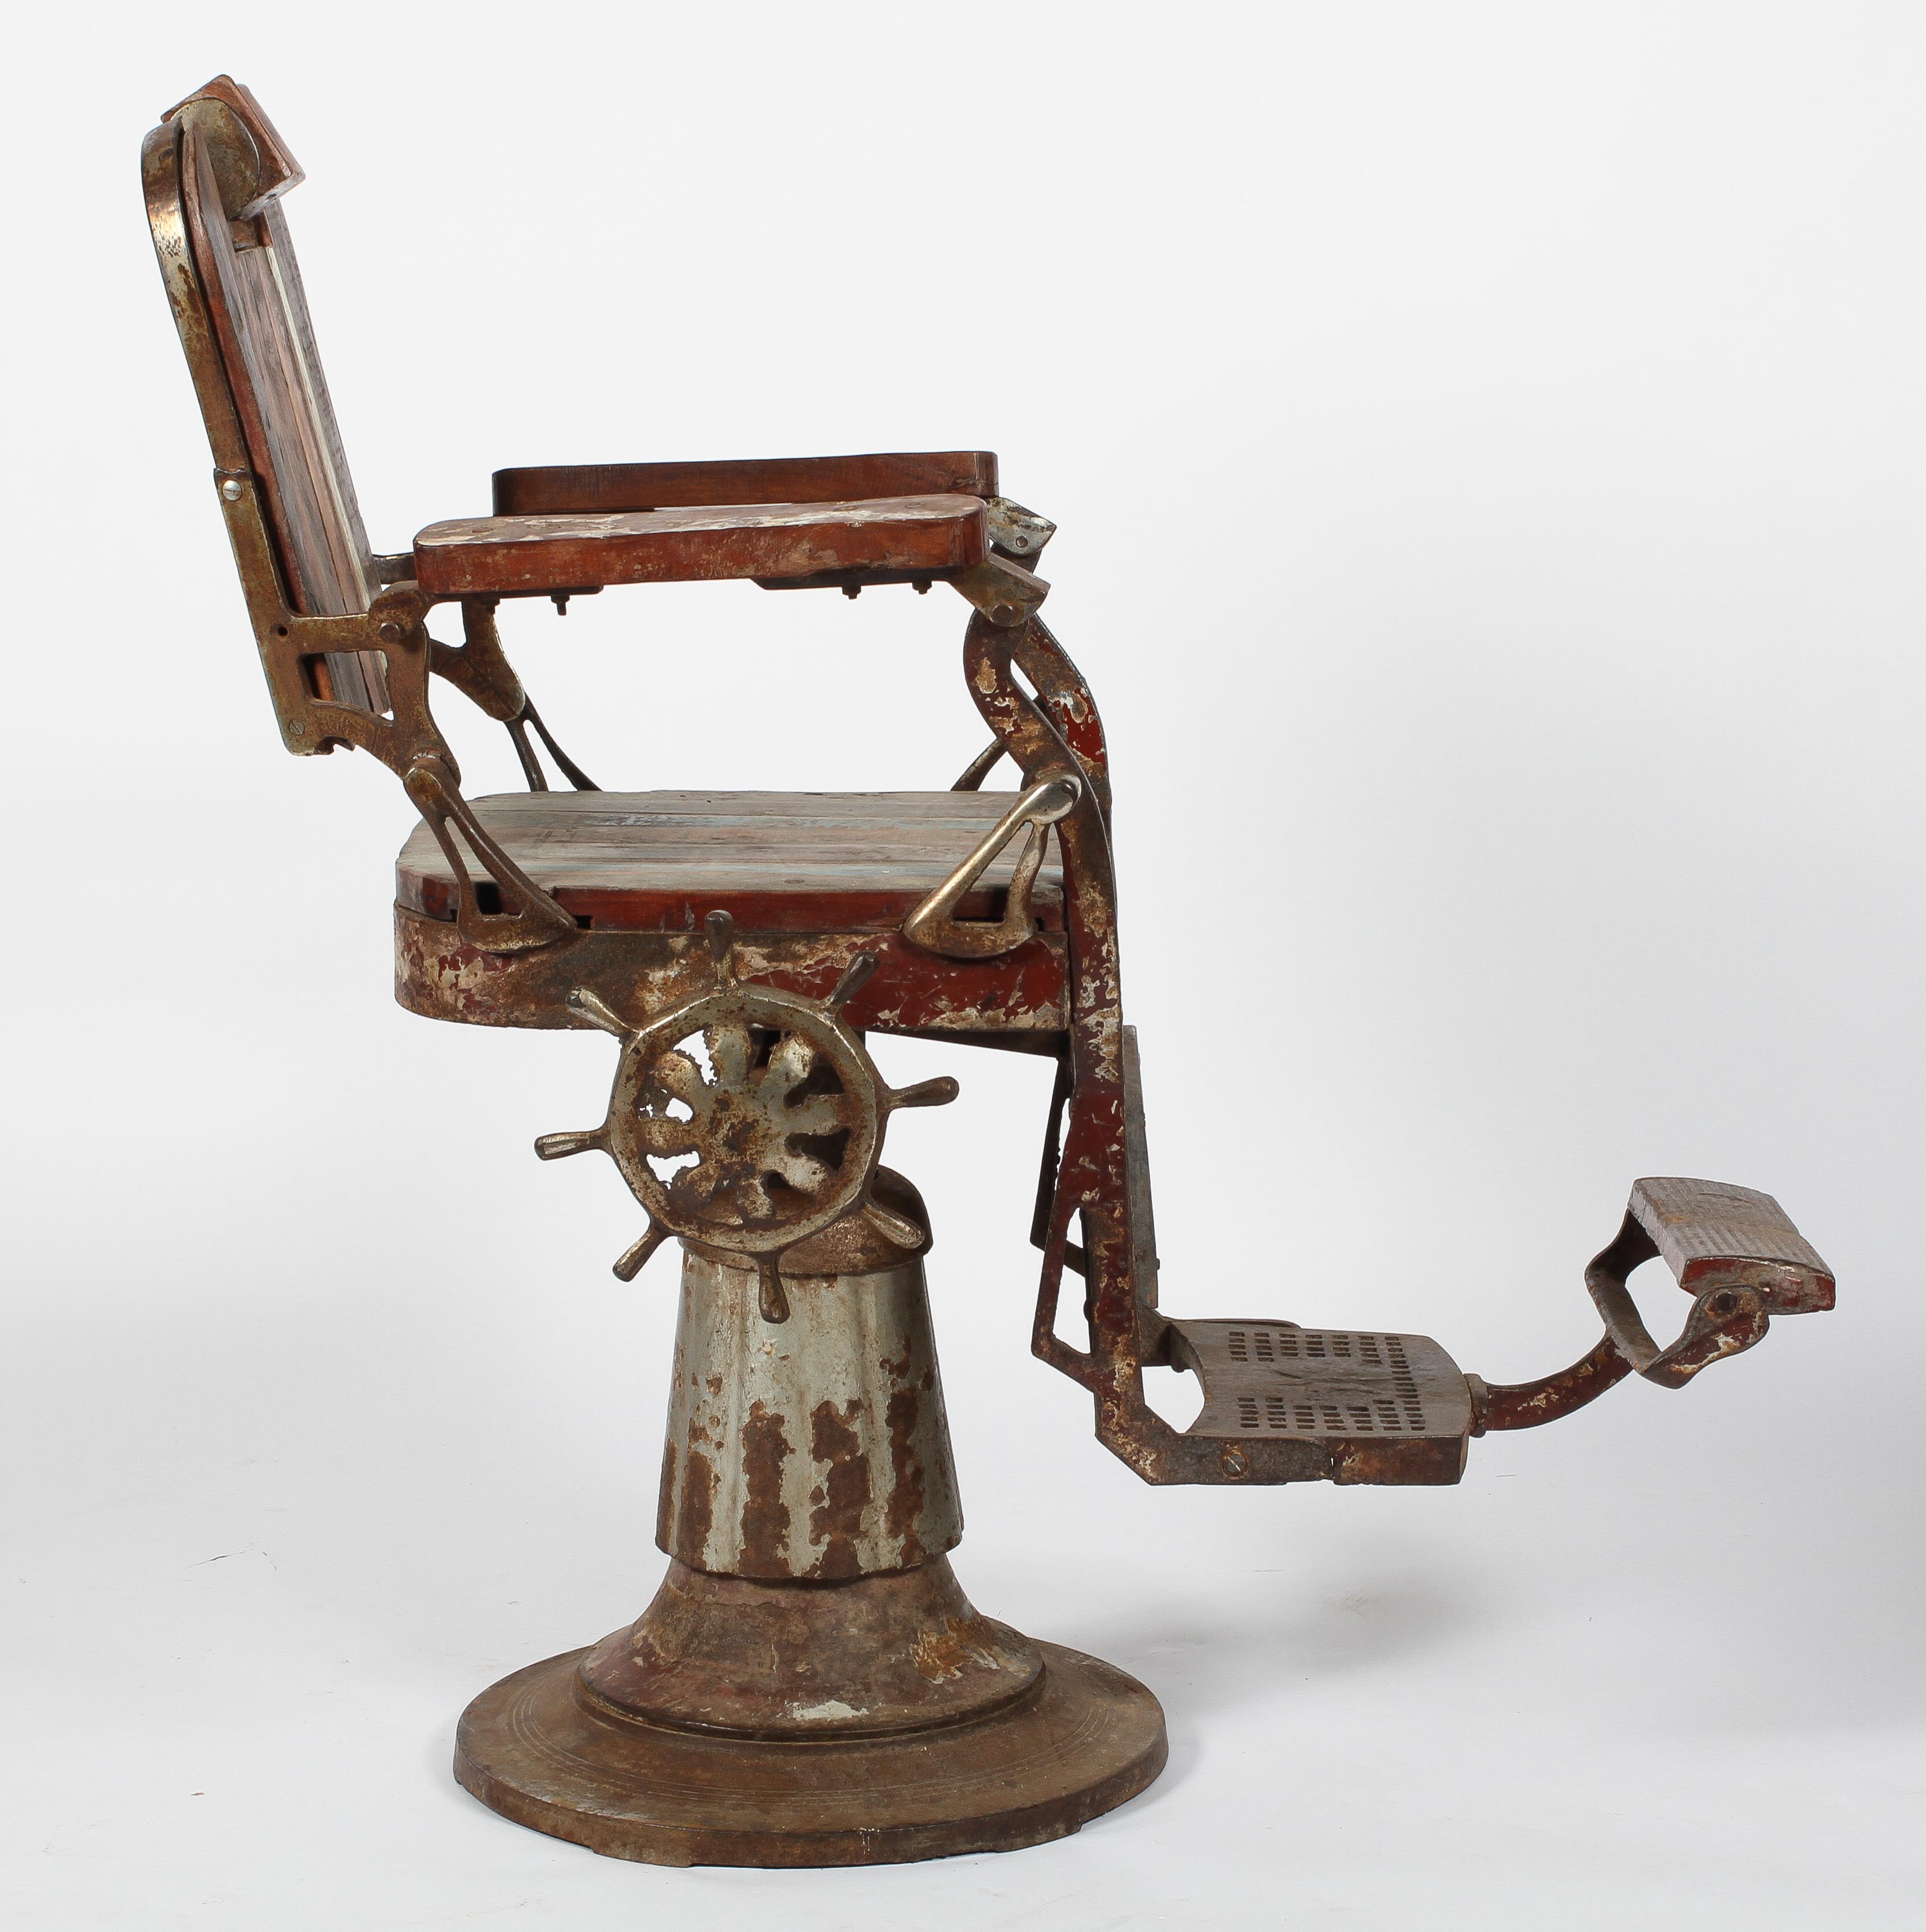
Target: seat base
(1019,998)
(540,1749)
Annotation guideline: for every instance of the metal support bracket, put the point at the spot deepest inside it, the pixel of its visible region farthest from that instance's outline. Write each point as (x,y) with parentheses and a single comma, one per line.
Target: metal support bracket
(933,925)
(1014,532)
(1003,592)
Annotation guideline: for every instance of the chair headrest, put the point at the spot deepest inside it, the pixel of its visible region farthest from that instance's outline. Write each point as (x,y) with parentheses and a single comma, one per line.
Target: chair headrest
(251,161)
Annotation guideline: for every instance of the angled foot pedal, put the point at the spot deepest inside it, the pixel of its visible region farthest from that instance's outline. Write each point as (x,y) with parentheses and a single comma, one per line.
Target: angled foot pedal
(1345,1406)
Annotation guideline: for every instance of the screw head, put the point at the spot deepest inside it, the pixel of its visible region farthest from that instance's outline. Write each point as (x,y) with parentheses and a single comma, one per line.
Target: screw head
(231,491)
(297,729)
(1234,1463)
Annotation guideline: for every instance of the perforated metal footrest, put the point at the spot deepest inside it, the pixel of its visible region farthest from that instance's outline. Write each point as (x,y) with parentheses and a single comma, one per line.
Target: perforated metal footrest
(1346,1405)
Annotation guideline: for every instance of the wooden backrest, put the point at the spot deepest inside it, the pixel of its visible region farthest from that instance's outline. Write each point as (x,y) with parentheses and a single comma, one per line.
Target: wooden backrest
(233,169)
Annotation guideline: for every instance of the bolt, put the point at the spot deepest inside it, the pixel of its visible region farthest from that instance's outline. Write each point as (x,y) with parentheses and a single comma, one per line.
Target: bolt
(1233,1464)
(389,633)
(231,491)
(1003,614)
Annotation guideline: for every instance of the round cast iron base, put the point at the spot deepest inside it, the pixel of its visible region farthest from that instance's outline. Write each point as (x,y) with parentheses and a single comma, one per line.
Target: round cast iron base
(540,1749)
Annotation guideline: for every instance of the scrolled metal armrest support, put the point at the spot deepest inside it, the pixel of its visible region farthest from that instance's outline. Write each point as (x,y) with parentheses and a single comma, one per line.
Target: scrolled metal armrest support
(1734,1250)
(933,926)
(479,669)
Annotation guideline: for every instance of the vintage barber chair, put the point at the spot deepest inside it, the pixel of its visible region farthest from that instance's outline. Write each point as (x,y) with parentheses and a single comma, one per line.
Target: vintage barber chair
(810,1686)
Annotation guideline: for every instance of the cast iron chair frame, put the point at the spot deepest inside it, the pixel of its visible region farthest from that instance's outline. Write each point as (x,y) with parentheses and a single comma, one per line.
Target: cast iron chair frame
(515,955)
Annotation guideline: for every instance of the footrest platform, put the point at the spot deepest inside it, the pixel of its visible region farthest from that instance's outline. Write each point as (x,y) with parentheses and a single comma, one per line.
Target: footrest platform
(1368,1407)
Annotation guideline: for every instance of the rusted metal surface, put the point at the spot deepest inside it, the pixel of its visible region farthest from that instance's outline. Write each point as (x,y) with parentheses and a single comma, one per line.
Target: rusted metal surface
(540,1748)
(1734,1250)
(1016,533)
(781,1125)
(1741,1250)
(903,1650)
(1284,1404)
(1529,1404)
(1004,592)
(441,975)
(819,1449)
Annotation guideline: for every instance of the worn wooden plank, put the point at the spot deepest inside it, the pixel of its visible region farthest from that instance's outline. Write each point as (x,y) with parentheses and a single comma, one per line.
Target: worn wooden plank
(485,555)
(260,312)
(580,488)
(777,862)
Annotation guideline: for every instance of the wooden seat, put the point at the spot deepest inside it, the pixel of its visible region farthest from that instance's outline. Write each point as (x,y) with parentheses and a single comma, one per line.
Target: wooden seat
(505,555)
(776,862)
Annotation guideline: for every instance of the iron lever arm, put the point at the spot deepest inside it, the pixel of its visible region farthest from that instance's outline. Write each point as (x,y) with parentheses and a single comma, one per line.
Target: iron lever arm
(1734,1250)
(933,925)
(981,765)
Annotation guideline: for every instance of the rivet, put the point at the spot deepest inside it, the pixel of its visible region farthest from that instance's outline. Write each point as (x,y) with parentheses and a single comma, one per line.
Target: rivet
(231,491)
(389,633)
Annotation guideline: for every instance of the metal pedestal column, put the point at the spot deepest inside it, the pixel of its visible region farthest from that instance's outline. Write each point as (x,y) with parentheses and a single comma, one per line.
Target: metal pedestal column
(810,1686)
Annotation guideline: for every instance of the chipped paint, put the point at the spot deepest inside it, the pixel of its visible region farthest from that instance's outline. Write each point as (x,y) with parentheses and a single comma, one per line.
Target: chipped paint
(827,1439)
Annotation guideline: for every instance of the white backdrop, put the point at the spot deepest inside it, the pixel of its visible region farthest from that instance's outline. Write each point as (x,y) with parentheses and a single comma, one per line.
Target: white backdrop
(1487,441)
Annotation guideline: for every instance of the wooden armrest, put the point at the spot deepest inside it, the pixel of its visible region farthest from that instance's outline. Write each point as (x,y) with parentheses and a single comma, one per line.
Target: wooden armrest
(586,488)
(499,556)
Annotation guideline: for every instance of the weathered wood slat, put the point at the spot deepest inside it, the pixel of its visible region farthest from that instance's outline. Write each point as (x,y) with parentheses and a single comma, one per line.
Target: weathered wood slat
(260,311)
(565,489)
(776,861)
(496,555)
